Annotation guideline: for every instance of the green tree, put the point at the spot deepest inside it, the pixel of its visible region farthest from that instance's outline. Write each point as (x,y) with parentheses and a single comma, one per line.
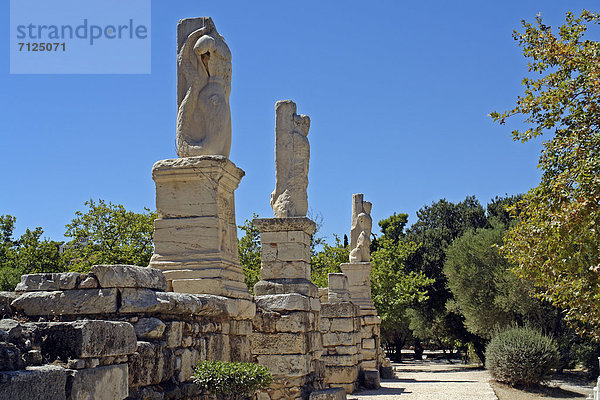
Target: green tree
(249,253)
(556,245)
(107,233)
(438,225)
(27,255)
(484,290)
(394,288)
(328,261)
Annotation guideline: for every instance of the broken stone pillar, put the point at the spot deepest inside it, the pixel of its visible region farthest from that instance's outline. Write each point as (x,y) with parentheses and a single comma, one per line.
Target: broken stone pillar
(359,282)
(340,325)
(286,336)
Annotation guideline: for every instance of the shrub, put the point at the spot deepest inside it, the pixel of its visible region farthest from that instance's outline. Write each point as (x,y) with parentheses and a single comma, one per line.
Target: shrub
(231,380)
(521,356)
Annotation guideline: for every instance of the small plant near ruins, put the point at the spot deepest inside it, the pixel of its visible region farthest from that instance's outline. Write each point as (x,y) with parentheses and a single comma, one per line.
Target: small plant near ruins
(231,380)
(521,356)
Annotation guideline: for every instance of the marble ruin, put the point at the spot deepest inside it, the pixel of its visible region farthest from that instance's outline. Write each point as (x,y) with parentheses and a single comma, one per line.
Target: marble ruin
(203,89)
(136,333)
(292,153)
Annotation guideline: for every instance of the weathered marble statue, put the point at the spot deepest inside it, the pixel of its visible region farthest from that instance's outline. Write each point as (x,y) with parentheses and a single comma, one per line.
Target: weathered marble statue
(360,232)
(292,152)
(203,88)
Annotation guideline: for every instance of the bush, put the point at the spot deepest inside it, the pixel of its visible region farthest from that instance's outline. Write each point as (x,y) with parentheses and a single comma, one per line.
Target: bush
(521,356)
(231,380)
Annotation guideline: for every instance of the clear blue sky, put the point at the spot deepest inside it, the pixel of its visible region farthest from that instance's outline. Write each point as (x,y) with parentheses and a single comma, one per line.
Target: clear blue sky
(398,94)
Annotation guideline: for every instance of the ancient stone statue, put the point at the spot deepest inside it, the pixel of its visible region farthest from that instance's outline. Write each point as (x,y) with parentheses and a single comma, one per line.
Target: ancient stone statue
(292,153)
(203,88)
(360,232)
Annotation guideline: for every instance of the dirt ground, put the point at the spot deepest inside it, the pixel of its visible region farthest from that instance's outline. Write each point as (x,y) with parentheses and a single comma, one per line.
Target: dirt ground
(566,386)
(440,380)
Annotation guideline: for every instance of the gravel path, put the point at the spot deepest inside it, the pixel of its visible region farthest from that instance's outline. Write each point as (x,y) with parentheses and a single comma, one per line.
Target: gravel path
(432,380)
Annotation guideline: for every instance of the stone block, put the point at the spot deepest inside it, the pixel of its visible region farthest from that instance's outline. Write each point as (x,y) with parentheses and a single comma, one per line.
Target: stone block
(189,359)
(324,324)
(70,302)
(339,338)
(293,252)
(121,276)
(386,372)
(341,360)
(11,357)
(368,364)
(149,328)
(368,343)
(284,286)
(136,301)
(218,347)
(150,364)
(328,394)
(347,387)
(342,325)
(174,333)
(346,349)
(48,282)
(285,270)
(278,343)
(338,310)
(101,383)
(5,299)
(301,224)
(368,354)
(214,286)
(241,350)
(371,379)
(284,302)
(341,375)
(47,382)
(289,365)
(87,338)
(265,321)
(10,330)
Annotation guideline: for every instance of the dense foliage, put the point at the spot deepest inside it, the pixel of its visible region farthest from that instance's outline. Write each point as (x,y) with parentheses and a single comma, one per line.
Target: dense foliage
(521,356)
(556,245)
(231,380)
(106,233)
(249,253)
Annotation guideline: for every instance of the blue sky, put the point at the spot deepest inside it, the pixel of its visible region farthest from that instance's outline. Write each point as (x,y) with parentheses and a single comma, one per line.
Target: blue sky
(398,94)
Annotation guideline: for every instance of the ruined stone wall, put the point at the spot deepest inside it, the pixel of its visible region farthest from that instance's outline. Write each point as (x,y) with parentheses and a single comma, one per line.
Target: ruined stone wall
(113,334)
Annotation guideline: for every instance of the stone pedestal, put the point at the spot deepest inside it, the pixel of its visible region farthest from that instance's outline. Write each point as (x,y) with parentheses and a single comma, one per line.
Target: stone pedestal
(286,336)
(359,282)
(195,235)
(340,325)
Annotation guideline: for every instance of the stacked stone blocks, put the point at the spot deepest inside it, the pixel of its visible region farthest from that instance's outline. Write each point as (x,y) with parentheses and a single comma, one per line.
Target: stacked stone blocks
(116,334)
(286,335)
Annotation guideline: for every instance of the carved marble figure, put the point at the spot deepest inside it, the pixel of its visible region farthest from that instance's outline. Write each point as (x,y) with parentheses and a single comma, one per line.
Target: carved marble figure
(292,153)
(360,232)
(204,85)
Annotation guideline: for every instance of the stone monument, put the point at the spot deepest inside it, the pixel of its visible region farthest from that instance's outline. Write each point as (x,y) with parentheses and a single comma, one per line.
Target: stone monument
(195,235)
(203,88)
(358,271)
(292,152)
(286,335)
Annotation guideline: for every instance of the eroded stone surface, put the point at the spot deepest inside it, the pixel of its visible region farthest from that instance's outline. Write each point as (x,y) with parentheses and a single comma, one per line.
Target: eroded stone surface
(292,154)
(328,394)
(87,338)
(110,276)
(360,232)
(47,382)
(100,383)
(203,89)
(69,302)
(149,328)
